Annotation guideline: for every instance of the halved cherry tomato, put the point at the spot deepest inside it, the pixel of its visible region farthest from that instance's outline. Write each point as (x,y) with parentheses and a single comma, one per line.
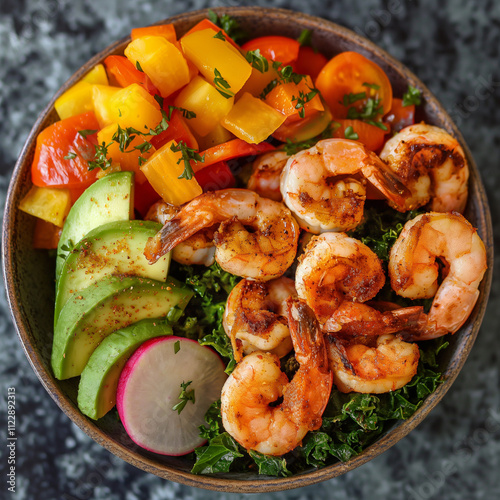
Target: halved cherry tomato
(165,30)
(275,48)
(62,153)
(370,135)
(309,62)
(177,131)
(215,176)
(349,73)
(235,148)
(205,24)
(400,116)
(123,73)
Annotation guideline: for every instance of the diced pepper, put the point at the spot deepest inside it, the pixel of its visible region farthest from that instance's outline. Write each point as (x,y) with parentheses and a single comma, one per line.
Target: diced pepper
(165,30)
(46,235)
(292,99)
(252,120)
(132,106)
(101,95)
(129,158)
(62,153)
(258,81)
(216,176)
(163,170)
(215,137)
(204,99)
(49,204)
(230,150)
(123,73)
(214,57)
(144,197)
(207,24)
(78,98)
(177,131)
(96,76)
(161,60)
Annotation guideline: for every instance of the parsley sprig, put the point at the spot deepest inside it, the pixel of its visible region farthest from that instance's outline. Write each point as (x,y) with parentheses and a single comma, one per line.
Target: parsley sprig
(257,60)
(222,85)
(285,75)
(302,99)
(371,110)
(228,24)
(188,155)
(184,397)
(412,96)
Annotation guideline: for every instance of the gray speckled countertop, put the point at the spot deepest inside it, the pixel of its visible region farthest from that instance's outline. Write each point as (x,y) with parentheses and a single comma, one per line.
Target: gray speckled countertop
(453,46)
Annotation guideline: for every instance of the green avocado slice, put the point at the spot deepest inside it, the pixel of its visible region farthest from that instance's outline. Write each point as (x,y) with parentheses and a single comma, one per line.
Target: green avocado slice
(99,380)
(113,248)
(108,199)
(107,305)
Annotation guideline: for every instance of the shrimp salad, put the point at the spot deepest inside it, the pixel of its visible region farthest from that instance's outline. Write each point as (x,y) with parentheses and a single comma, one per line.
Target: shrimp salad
(318,226)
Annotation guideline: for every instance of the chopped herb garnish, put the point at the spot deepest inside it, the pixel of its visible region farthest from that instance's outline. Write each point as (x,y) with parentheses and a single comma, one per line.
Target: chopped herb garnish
(228,24)
(124,136)
(70,156)
(220,36)
(188,155)
(305,37)
(352,98)
(222,85)
(159,99)
(138,66)
(412,96)
(177,346)
(184,397)
(350,134)
(257,60)
(162,126)
(285,75)
(302,99)
(100,159)
(86,133)
(373,86)
(371,109)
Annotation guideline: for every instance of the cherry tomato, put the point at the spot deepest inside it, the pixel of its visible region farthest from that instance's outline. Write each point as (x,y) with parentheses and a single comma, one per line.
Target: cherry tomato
(275,48)
(62,153)
(309,62)
(400,116)
(370,135)
(349,73)
(234,148)
(215,176)
(123,73)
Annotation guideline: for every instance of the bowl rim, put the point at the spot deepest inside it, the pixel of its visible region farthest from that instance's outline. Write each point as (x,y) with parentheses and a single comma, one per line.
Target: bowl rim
(220,483)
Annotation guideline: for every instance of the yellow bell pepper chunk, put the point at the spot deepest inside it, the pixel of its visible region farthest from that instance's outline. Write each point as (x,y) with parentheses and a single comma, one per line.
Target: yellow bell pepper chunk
(97,75)
(131,106)
(252,120)
(215,137)
(129,158)
(78,98)
(258,81)
(163,170)
(209,53)
(208,104)
(49,204)
(161,60)
(101,95)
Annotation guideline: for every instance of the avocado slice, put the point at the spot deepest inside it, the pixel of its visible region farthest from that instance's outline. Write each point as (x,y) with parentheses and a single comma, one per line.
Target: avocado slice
(108,199)
(111,303)
(113,248)
(99,380)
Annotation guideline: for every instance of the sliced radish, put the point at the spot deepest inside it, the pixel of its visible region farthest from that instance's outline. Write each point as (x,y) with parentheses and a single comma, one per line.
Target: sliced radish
(150,386)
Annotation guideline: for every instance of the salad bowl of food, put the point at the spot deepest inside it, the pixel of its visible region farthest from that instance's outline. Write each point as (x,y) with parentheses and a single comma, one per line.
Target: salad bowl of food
(246,250)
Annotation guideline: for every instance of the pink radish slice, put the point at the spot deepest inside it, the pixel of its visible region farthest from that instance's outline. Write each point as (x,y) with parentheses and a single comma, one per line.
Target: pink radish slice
(150,385)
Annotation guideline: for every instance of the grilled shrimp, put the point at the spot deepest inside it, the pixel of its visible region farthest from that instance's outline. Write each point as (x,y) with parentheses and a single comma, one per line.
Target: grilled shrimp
(248,402)
(324,186)
(335,275)
(372,364)
(431,164)
(414,269)
(255,238)
(199,249)
(266,172)
(255,317)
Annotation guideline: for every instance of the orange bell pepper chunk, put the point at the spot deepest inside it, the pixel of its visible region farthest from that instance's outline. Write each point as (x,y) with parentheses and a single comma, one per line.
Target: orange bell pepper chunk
(123,73)
(165,30)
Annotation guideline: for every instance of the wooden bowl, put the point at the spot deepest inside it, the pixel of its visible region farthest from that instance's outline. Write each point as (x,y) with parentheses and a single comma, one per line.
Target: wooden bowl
(29,274)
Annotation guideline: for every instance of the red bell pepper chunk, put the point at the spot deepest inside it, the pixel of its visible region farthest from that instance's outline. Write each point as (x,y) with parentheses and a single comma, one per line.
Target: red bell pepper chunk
(177,131)
(123,73)
(144,197)
(215,176)
(234,148)
(62,153)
